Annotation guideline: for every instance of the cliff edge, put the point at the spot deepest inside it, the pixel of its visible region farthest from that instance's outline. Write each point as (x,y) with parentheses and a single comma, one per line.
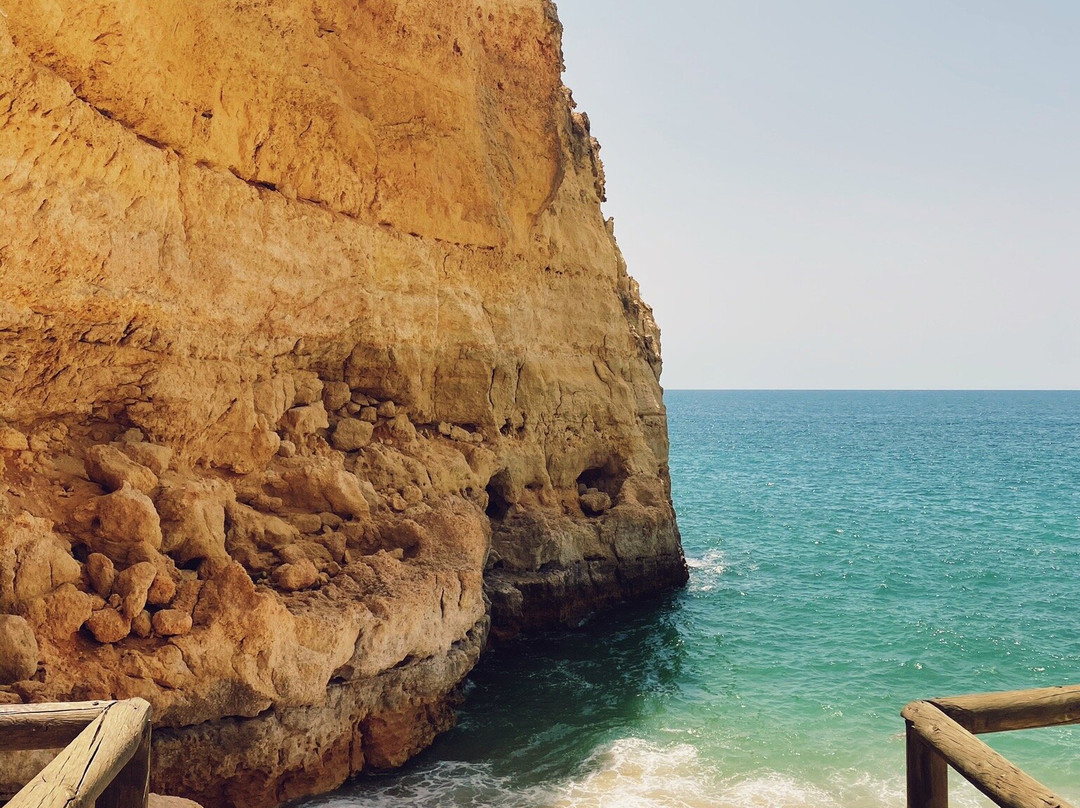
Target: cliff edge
(317,361)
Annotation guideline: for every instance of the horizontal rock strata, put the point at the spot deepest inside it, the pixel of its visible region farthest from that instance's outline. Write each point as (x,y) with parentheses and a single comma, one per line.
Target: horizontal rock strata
(309,323)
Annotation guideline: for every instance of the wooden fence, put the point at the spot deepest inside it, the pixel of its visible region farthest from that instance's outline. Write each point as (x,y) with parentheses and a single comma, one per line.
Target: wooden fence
(941,733)
(106,755)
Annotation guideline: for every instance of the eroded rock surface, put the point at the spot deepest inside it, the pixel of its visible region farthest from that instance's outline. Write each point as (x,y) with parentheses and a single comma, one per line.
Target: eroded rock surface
(310,323)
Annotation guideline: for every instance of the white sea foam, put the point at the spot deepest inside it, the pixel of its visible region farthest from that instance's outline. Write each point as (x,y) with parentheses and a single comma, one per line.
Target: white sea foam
(637,774)
(712,560)
(774,790)
(706,570)
(632,773)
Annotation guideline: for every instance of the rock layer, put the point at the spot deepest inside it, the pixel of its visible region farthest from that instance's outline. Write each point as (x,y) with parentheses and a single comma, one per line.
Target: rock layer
(309,317)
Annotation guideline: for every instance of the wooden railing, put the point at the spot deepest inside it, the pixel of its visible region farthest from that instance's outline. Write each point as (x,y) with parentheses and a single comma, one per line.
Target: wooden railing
(941,733)
(106,755)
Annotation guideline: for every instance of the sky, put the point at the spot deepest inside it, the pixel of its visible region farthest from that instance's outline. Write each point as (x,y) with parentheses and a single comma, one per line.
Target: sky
(843,193)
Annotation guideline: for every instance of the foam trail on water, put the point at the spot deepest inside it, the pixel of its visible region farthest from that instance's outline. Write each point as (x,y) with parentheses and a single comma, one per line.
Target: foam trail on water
(706,570)
(630,773)
(634,773)
(638,774)
(712,560)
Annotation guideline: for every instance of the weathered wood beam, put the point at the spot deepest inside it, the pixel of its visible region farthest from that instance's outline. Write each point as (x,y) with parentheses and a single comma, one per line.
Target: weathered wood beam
(984,768)
(1016,709)
(45,726)
(85,768)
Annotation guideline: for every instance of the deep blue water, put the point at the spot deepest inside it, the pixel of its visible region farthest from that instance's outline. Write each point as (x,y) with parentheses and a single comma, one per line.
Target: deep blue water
(849,552)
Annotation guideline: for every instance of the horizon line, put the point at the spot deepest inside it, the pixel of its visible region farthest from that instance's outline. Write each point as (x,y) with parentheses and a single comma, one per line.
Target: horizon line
(871,389)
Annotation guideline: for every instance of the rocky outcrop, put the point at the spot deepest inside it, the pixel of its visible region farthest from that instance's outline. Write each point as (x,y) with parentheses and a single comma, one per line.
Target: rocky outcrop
(310,325)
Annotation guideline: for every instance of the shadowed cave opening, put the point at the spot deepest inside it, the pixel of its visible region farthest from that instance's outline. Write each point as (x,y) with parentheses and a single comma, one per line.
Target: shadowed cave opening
(608,478)
(497,489)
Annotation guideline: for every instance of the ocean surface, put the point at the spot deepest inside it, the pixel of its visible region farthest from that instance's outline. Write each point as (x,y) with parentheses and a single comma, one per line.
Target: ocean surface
(848,552)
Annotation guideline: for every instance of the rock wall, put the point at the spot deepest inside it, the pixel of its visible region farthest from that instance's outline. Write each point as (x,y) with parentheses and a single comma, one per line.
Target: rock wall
(316,357)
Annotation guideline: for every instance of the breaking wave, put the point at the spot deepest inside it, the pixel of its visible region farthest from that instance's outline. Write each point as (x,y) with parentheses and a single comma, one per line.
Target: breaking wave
(628,773)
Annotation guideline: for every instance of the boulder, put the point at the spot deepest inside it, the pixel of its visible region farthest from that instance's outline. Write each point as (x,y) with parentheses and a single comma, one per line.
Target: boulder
(18,649)
(193,518)
(296,575)
(305,420)
(34,561)
(162,801)
(108,625)
(141,625)
(111,468)
(402,429)
(594,502)
(308,388)
(321,484)
(124,525)
(57,616)
(162,590)
(171,623)
(351,434)
(132,585)
(336,395)
(12,440)
(154,457)
(187,594)
(101,572)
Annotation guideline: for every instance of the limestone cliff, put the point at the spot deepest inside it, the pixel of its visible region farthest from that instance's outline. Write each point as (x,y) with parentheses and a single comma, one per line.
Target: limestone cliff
(311,330)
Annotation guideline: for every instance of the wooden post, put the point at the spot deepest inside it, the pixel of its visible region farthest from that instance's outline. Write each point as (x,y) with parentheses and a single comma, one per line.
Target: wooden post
(131,787)
(984,768)
(927,774)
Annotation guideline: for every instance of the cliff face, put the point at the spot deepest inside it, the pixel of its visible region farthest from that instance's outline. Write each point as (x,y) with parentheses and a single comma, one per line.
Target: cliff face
(311,330)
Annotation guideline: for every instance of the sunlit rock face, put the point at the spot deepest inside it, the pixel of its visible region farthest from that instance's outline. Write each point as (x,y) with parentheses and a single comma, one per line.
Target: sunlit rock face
(316,357)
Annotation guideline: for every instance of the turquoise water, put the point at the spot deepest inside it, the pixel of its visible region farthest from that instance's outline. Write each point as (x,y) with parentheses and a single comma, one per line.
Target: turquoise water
(849,552)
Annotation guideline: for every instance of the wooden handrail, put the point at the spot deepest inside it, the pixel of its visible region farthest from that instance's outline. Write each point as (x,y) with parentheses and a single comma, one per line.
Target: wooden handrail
(45,726)
(107,757)
(941,733)
(1014,709)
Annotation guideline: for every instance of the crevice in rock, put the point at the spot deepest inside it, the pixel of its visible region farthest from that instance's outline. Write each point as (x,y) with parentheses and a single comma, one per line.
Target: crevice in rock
(498,505)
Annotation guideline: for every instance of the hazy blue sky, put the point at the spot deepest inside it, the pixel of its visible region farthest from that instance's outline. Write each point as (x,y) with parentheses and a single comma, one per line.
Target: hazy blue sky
(843,193)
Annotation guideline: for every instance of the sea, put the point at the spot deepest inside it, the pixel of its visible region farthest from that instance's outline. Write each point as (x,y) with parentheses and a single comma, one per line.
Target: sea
(849,552)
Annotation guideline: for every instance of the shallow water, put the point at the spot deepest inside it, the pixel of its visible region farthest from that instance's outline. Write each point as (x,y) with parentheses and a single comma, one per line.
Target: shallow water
(848,552)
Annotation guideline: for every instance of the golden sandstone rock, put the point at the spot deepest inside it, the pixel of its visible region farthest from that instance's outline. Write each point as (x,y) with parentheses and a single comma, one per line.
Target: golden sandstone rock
(112,468)
(18,649)
(108,625)
(312,334)
(101,573)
